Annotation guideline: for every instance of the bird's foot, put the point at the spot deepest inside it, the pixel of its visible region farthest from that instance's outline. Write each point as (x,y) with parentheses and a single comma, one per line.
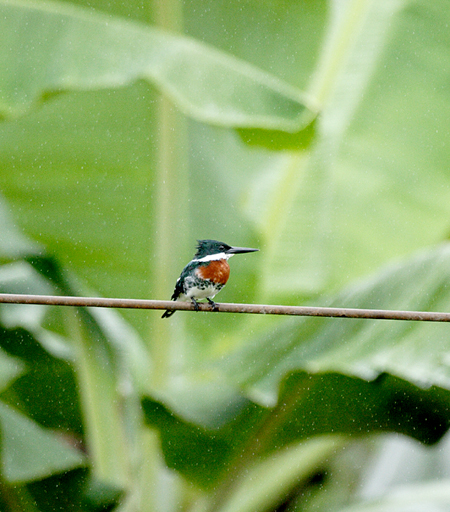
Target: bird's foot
(214,306)
(195,303)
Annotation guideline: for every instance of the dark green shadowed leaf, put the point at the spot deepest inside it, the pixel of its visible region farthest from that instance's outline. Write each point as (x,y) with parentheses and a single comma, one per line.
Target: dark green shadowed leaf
(309,406)
(74,490)
(333,403)
(47,391)
(278,140)
(202,454)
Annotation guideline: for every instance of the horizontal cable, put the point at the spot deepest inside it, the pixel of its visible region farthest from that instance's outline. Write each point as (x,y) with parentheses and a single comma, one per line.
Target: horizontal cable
(258,309)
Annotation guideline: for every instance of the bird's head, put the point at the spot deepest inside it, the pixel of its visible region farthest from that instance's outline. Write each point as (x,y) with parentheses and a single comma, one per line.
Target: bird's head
(214,248)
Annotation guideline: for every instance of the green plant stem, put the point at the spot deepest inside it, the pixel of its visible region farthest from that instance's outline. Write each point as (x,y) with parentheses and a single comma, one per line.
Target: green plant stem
(171,225)
(101,402)
(345,22)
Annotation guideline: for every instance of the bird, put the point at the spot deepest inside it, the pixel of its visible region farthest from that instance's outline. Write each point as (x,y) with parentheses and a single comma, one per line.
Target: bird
(206,274)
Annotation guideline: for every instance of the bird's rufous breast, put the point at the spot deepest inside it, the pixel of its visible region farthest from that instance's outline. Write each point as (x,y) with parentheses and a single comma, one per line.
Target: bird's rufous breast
(217,271)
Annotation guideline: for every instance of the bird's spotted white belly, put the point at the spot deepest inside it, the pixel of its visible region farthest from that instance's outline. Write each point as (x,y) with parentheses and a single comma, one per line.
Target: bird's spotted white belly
(197,289)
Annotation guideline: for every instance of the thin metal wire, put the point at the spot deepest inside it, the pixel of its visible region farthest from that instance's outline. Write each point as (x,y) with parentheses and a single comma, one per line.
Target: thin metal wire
(258,309)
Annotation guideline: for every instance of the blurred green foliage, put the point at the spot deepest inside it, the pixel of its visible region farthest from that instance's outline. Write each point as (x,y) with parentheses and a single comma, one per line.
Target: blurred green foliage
(316,131)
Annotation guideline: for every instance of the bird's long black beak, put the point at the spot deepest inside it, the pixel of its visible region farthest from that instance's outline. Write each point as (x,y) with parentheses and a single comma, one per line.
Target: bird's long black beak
(240,250)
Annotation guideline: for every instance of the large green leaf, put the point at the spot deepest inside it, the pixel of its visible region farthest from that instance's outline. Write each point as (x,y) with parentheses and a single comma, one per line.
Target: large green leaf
(309,406)
(376,184)
(75,490)
(205,83)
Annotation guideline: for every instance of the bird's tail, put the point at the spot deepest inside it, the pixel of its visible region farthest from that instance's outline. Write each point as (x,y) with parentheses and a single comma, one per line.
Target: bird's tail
(168,313)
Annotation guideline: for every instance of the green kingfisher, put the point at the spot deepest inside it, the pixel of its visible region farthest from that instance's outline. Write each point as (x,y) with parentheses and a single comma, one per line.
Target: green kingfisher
(206,274)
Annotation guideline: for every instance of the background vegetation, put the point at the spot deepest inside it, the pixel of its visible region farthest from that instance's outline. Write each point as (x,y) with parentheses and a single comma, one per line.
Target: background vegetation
(316,131)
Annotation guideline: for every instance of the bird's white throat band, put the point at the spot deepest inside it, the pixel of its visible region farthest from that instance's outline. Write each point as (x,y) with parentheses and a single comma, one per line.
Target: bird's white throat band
(215,257)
